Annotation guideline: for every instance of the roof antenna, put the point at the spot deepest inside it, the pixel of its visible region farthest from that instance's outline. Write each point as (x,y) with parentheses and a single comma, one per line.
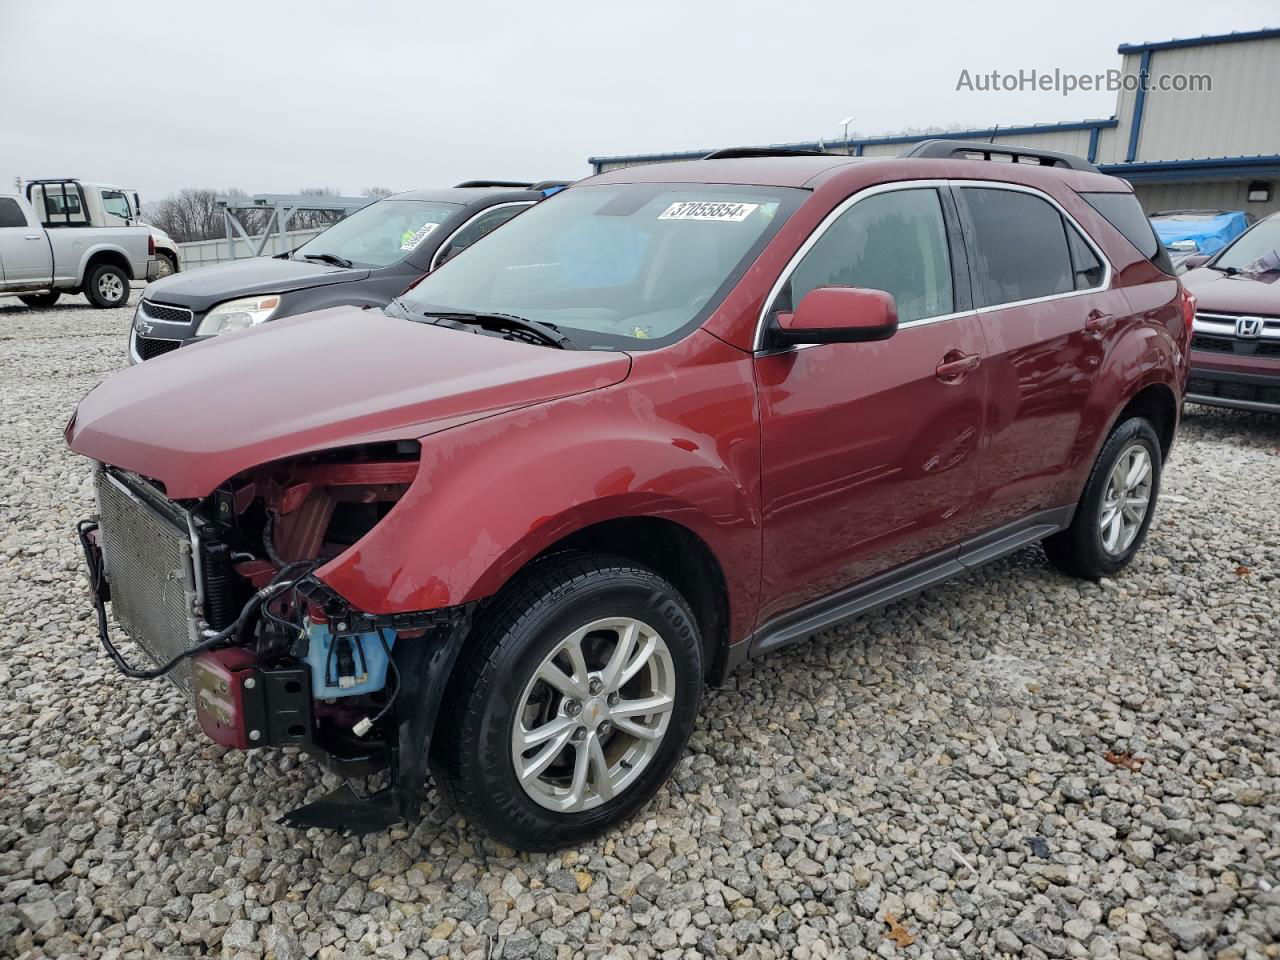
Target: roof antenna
(994,131)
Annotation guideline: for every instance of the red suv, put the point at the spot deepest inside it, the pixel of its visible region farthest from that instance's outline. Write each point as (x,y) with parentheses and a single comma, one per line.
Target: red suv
(671,419)
(1235,353)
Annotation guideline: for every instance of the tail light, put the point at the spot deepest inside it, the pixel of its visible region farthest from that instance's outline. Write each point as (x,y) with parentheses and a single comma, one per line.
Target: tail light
(1188,307)
(151,245)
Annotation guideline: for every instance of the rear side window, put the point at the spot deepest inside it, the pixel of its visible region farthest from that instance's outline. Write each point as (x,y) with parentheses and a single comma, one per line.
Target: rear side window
(896,242)
(1021,247)
(1123,212)
(1084,262)
(11,213)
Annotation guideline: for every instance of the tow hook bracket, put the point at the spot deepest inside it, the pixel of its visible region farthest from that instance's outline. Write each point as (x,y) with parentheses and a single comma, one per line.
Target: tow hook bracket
(346,811)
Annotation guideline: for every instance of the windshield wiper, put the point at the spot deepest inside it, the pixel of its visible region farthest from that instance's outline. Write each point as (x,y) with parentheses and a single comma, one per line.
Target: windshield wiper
(545,332)
(332,258)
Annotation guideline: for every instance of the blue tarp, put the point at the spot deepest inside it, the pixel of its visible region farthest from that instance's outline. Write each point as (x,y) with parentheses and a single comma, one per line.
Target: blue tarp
(1210,234)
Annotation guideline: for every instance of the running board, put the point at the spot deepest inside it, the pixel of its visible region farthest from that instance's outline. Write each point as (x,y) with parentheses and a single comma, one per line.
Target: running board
(904,581)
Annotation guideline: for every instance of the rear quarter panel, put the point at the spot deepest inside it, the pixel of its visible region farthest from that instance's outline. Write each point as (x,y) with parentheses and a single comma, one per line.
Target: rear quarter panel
(677,440)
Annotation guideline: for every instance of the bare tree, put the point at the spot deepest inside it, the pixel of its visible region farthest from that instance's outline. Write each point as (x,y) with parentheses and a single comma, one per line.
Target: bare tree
(377,192)
(192,214)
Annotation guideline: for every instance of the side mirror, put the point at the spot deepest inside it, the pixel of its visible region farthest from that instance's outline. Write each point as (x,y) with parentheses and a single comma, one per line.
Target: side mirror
(1198,260)
(838,315)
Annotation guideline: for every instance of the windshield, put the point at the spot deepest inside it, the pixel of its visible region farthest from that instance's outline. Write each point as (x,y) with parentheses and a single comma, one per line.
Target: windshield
(626,266)
(380,233)
(1257,251)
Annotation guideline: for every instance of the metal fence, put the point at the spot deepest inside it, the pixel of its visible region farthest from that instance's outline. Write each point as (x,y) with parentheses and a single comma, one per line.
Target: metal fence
(203,253)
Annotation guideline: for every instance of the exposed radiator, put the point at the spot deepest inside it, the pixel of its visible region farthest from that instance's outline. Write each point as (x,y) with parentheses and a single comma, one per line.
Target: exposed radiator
(147,548)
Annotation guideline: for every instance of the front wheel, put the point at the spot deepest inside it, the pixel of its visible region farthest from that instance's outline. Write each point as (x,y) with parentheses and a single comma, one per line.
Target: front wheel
(108,286)
(573,701)
(1115,511)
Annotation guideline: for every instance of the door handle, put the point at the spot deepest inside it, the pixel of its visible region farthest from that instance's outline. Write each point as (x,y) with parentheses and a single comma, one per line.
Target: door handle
(956,364)
(1097,321)
(31,237)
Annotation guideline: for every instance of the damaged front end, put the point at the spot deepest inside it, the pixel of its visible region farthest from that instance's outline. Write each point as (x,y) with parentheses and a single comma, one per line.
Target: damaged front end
(223,595)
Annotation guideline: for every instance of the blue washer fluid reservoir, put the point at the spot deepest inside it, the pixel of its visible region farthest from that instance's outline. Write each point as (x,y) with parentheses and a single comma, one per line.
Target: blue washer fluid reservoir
(363,654)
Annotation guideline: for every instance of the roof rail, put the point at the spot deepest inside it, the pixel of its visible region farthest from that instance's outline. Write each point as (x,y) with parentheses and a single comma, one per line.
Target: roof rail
(735,153)
(551,184)
(964,149)
(515,184)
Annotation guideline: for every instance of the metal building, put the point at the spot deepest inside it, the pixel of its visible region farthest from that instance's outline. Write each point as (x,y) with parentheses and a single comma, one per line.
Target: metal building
(1181,148)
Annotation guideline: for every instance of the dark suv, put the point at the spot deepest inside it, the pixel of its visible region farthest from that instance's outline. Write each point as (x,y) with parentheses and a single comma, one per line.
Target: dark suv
(363,260)
(674,418)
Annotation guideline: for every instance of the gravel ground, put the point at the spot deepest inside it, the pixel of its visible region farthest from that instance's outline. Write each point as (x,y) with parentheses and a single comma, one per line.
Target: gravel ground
(1016,764)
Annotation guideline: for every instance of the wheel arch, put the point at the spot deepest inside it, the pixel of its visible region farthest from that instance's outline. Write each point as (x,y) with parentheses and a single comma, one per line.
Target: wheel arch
(95,257)
(680,556)
(1157,403)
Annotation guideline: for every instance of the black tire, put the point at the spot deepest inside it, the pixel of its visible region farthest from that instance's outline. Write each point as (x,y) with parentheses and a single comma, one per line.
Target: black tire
(471,756)
(39,299)
(103,280)
(173,265)
(1078,550)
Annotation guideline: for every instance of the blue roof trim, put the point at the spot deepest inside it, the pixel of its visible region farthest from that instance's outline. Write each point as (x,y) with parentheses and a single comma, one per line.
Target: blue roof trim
(1165,171)
(1208,40)
(1139,104)
(860,142)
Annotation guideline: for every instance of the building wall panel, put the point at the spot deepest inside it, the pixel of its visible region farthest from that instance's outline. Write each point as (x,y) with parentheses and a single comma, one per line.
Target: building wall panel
(1239,118)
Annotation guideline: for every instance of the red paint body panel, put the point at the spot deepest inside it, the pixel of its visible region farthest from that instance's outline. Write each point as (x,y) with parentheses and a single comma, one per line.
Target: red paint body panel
(678,439)
(869,459)
(320,381)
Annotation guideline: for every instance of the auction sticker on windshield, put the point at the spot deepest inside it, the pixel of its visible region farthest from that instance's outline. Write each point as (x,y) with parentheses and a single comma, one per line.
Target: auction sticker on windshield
(410,241)
(708,210)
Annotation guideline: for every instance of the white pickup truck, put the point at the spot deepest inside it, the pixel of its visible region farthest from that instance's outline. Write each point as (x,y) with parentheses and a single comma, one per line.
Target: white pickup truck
(77,202)
(39,264)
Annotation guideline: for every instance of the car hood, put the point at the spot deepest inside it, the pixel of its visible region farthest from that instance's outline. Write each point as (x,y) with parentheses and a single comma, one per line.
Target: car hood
(201,289)
(1215,291)
(195,417)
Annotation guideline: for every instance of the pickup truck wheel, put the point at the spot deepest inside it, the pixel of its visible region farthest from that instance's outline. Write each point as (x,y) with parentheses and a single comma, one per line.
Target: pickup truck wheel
(168,266)
(108,286)
(574,700)
(1115,511)
(39,299)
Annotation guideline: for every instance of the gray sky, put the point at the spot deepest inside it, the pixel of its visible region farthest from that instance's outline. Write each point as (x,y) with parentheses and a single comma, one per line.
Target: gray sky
(271,96)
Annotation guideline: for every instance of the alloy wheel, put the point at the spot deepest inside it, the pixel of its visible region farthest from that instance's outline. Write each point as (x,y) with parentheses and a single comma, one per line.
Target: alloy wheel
(110,287)
(593,715)
(1126,500)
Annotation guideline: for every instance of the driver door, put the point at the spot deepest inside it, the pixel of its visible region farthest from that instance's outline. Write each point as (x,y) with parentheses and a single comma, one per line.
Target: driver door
(870,450)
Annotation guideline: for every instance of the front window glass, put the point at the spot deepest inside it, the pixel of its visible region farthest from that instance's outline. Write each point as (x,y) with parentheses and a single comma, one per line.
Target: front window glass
(116,204)
(625,266)
(481,226)
(381,233)
(896,242)
(1257,251)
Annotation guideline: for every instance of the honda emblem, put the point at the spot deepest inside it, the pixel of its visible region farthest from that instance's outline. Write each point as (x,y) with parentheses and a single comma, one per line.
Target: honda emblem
(1250,327)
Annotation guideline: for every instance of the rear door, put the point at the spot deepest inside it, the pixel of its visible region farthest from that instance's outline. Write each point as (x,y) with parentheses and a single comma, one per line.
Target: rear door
(1042,290)
(870,450)
(24,248)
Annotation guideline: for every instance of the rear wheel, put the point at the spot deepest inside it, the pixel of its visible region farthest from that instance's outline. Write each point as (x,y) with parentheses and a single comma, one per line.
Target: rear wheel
(39,299)
(574,701)
(168,266)
(1115,511)
(108,286)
